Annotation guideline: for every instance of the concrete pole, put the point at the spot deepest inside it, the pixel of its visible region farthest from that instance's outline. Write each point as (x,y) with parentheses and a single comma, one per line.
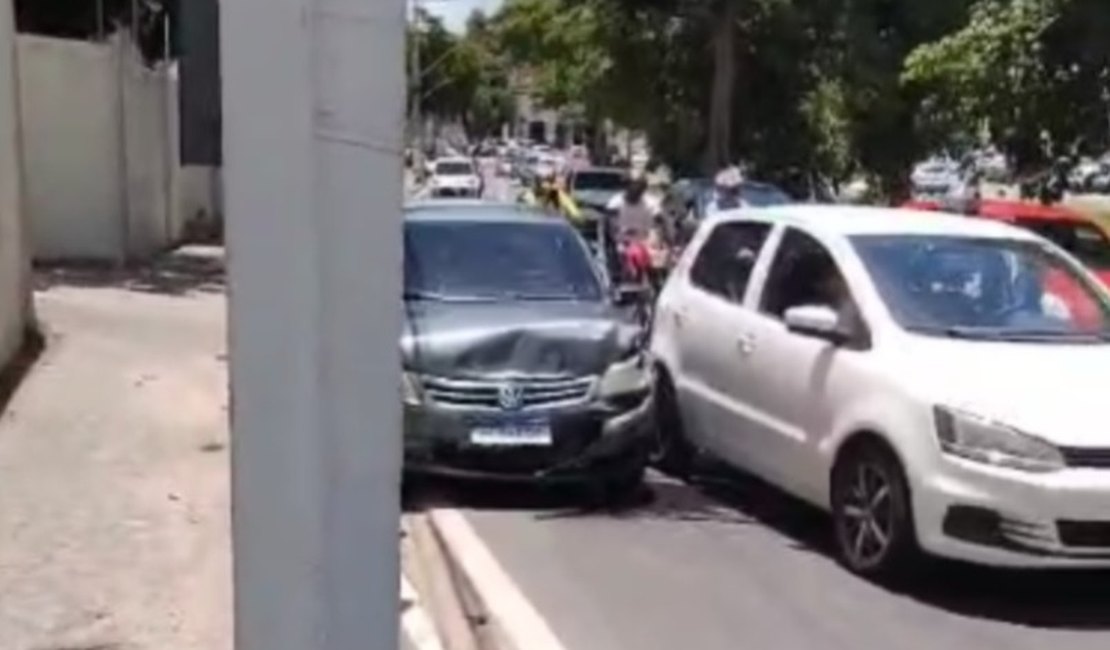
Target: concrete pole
(416,122)
(314,99)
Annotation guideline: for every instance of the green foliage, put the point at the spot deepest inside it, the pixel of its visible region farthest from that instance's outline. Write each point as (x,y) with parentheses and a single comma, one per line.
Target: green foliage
(1033,72)
(463,77)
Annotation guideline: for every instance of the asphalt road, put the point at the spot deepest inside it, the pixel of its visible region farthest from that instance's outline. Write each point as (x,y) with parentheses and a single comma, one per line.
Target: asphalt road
(727,563)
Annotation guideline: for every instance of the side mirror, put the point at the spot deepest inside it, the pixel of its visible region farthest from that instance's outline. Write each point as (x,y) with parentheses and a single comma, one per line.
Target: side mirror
(817,321)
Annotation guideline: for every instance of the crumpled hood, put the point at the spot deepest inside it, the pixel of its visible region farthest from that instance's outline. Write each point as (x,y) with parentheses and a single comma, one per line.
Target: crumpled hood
(475,339)
(1058,392)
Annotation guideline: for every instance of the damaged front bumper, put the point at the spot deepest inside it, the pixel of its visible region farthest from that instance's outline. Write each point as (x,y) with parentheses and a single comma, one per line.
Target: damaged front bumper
(589,441)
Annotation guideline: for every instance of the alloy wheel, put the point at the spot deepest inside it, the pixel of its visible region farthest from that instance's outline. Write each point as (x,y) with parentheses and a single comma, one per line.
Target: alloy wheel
(867,524)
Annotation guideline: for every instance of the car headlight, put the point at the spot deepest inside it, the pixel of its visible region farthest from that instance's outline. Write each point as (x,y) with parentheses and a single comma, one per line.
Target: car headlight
(979,439)
(630,376)
(410,389)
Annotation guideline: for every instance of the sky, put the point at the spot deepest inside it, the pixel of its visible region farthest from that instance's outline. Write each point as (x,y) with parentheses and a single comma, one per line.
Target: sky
(455,12)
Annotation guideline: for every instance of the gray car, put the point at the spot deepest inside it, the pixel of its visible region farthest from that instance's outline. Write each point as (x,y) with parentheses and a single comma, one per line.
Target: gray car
(518,363)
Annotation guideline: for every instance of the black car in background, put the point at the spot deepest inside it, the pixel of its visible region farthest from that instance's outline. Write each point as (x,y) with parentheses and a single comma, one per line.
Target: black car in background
(517,361)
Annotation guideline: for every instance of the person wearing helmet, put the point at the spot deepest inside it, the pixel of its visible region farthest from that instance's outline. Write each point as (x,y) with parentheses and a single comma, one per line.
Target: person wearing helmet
(726,191)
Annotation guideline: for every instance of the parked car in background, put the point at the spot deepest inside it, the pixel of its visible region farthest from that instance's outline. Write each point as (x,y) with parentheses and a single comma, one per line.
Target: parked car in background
(901,370)
(935,177)
(518,363)
(596,186)
(455,177)
(1085,238)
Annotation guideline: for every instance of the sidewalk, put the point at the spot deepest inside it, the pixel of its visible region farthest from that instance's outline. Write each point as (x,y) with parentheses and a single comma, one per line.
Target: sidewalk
(114,466)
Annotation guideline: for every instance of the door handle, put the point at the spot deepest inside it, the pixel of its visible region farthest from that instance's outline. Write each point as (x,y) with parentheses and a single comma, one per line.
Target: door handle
(745,343)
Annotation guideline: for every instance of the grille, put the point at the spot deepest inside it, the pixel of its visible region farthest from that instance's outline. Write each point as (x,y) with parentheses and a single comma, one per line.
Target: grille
(1084,534)
(531,392)
(1087,457)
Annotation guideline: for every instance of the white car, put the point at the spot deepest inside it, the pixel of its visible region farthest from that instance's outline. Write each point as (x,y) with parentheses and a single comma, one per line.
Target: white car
(937,383)
(935,177)
(455,177)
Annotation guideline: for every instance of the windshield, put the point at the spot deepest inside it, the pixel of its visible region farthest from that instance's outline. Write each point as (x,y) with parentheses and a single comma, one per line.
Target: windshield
(464,261)
(599,181)
(758,195)
(454,169)
(983,288)
(1081,239)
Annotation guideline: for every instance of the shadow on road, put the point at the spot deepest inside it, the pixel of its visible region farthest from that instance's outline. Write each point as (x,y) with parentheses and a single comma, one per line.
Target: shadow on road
(187,270)
(720,496)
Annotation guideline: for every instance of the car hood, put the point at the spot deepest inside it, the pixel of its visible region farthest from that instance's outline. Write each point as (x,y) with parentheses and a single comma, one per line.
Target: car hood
(543,338)
(1057,392)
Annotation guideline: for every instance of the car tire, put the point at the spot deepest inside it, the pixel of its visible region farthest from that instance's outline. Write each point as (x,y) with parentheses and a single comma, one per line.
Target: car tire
(872,512)
(673,452)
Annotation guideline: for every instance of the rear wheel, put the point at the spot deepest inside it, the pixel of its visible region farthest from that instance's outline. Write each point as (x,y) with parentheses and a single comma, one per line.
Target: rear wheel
(872,513)
(673,453)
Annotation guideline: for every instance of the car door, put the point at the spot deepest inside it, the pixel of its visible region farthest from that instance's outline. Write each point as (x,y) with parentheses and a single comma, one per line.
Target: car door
(791,384)
(703,318)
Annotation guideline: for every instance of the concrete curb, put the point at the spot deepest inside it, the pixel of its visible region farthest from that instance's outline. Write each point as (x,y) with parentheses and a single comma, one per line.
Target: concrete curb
(513,623)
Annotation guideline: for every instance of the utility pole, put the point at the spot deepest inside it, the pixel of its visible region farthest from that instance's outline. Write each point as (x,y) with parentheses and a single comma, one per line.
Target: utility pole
(416,123)
(312,146)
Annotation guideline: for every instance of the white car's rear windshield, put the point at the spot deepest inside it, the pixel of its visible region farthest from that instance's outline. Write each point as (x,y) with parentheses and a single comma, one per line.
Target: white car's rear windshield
(454,169)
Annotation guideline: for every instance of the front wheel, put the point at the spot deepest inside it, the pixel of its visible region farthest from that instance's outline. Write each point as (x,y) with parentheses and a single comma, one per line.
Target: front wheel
(872,513)
(673,454)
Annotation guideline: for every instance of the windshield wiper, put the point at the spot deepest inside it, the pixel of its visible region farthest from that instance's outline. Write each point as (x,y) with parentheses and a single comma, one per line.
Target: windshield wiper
(431,296)
(549,297)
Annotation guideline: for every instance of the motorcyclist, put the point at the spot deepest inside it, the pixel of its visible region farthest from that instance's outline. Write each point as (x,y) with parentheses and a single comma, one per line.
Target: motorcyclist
(548,194)
(726,191)
(634,213)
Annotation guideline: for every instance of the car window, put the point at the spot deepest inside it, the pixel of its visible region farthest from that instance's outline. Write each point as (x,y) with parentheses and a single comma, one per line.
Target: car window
(757,195)
(804,273)
(724,264)
(598,181)
(983,288)
(1083,240)
(493,261)
(454,169)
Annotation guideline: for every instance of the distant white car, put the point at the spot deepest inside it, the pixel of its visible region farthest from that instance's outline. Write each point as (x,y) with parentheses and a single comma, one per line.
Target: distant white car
(455,177)
(934,382)
(935,177)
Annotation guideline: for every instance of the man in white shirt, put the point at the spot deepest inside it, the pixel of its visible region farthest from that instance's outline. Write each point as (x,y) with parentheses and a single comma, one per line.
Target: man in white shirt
(635,211)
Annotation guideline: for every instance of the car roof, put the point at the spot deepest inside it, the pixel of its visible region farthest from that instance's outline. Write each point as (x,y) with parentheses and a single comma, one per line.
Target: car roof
(1009,210)
(475,210)
(454,159)
(1026,210)
(860,220)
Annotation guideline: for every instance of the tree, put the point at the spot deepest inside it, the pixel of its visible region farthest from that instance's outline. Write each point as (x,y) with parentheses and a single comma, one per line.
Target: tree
(1035,73)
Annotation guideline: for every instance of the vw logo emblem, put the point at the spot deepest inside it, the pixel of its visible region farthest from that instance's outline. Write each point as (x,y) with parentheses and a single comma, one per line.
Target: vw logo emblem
(510,397)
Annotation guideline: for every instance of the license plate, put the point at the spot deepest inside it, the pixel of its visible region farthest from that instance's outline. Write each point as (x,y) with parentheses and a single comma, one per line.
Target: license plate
(513,434)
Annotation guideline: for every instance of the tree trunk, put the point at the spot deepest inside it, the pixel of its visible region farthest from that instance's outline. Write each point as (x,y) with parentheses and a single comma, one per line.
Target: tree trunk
(719,149)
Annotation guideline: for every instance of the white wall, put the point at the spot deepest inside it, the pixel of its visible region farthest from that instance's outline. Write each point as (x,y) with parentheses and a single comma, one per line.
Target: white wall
(14,269)
(71,147)
(100,133)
